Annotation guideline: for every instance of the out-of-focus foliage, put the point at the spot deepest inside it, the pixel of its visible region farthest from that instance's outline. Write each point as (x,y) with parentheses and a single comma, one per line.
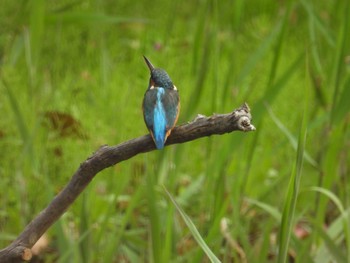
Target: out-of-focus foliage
(72,78)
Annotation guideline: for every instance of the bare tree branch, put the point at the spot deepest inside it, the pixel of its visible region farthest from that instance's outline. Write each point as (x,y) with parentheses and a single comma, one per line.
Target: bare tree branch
(106,156)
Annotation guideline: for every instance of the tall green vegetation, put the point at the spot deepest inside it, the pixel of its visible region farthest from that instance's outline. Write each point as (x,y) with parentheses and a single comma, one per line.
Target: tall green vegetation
(72,78)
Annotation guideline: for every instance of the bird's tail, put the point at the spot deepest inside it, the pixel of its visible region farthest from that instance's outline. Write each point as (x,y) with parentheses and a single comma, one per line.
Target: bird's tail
(159,140)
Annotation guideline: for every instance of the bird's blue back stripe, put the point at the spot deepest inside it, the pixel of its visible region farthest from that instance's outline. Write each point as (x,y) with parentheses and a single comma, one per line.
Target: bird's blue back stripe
(159,120)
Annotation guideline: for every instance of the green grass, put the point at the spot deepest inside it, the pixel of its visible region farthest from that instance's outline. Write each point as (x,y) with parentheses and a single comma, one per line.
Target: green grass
(282,191)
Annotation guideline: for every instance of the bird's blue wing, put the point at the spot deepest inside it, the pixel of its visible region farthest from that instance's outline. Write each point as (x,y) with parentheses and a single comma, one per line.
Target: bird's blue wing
(171,104)
(149,102)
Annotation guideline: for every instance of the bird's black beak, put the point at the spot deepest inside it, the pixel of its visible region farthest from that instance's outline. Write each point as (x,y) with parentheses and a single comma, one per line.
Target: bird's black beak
(149,64)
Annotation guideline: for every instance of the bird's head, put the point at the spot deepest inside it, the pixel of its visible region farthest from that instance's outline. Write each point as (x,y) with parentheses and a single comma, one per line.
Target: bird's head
(159,77)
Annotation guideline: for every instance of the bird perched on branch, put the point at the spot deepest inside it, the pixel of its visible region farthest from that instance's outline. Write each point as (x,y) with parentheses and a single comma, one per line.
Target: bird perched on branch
(161,105)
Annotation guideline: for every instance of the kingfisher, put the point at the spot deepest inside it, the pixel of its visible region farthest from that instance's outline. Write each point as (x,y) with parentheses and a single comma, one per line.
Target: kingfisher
(161,105)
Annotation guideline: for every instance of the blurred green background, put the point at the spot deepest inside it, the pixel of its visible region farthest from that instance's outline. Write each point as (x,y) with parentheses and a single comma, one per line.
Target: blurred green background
(73,78)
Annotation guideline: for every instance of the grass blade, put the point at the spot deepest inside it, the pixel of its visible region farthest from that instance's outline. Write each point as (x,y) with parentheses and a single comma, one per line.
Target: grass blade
(289,135)
(22,127)
(193,230)
(334,252)
(89,18)
(266,207)
(293,191)
(343,214)
(342,108)
(291,199)
(155,223)
(37,24)
(258,110)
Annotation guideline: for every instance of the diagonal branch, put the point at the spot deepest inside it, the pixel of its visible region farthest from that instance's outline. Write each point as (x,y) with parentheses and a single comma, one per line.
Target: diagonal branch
(106,156)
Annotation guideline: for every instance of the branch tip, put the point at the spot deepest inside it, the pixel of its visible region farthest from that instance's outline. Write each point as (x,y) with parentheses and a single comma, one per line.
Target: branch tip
(27,254)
